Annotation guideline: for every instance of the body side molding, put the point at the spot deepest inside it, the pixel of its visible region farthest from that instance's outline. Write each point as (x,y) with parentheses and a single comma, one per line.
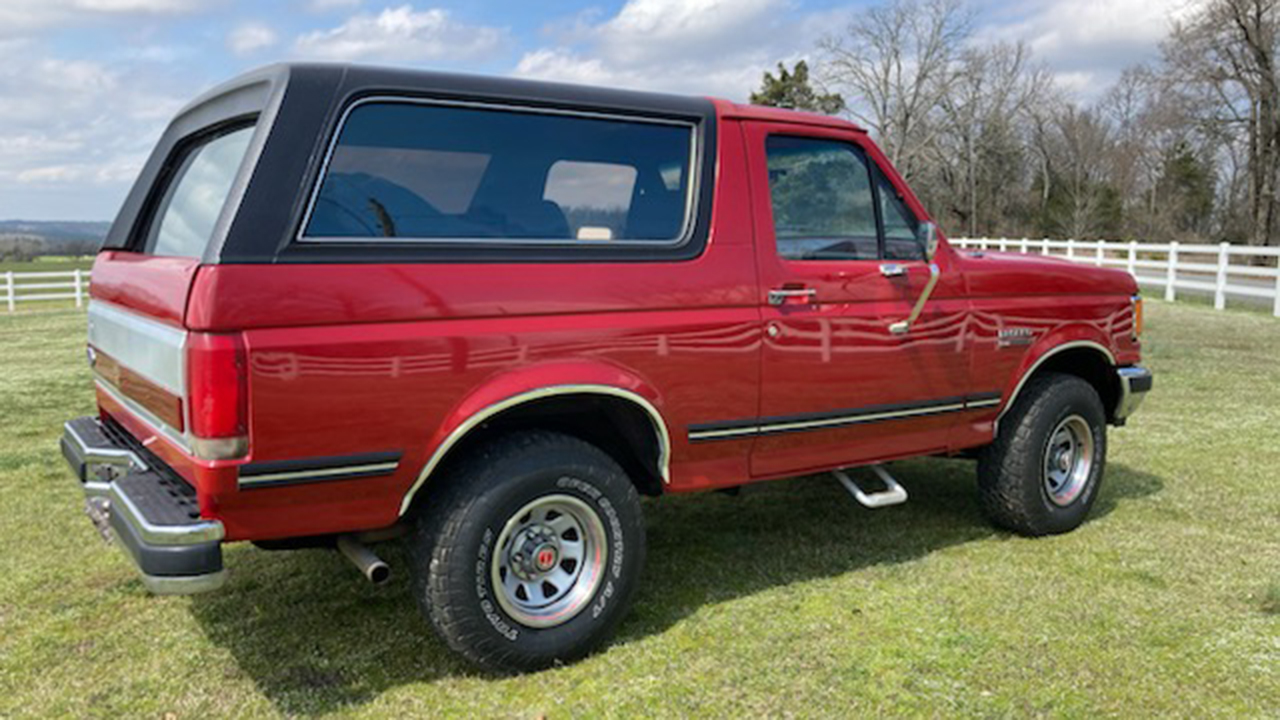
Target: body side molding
(459,432)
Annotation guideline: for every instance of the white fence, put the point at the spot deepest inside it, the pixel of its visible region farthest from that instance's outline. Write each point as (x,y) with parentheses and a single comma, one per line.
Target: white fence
(1205,269)
(1240,272)
(24,287)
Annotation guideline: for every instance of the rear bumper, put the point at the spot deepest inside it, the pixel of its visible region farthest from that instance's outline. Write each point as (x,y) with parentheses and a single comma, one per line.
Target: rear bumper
(150,511)
(1135,382)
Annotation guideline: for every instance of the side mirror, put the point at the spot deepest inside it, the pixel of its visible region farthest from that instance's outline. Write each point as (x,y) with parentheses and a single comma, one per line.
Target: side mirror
(930,232)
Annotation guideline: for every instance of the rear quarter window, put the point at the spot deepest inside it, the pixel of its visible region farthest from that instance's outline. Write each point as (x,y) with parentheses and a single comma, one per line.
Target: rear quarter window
(435,173)
(184,218)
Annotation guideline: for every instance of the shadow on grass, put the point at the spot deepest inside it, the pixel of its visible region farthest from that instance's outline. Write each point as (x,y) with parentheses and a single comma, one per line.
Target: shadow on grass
(315,637)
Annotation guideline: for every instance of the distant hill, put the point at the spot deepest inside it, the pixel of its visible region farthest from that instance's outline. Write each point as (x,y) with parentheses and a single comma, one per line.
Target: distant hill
(55,237)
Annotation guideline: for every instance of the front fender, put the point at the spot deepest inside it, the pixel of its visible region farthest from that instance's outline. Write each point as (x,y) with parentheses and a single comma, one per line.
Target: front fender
(1070,337)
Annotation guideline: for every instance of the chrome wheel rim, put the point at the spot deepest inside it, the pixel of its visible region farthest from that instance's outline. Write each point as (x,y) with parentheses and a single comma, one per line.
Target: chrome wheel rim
(549,560)
(1068,460)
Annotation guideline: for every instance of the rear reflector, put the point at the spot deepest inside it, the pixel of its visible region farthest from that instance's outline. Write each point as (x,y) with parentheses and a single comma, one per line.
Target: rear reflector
(218,393)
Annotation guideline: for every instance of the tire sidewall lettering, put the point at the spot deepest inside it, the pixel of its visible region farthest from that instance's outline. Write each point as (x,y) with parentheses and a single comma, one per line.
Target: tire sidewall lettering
(605,594)
(487,606)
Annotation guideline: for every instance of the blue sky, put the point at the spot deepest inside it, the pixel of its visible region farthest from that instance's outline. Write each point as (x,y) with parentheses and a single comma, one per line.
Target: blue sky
(86,86)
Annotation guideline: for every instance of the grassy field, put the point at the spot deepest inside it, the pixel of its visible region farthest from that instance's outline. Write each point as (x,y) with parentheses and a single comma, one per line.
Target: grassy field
(786,600)
(47,264)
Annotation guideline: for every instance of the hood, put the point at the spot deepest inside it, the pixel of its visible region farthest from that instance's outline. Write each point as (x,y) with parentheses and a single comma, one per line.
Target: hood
(1007,273)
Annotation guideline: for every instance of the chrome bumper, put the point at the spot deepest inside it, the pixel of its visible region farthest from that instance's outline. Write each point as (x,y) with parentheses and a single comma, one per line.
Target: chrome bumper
(1135,383)
(146,510)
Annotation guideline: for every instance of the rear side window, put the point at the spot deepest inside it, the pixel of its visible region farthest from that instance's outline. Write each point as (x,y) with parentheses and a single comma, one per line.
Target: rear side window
(433,173)
(183,221)
(823,206)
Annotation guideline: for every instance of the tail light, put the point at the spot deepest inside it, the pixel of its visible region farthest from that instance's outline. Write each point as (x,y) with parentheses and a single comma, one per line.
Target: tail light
(218,393)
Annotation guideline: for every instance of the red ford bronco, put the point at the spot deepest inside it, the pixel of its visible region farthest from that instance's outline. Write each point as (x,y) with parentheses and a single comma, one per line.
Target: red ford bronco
(484,315)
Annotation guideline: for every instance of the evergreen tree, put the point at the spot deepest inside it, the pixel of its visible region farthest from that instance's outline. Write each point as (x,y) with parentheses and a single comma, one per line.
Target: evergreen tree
(791,90)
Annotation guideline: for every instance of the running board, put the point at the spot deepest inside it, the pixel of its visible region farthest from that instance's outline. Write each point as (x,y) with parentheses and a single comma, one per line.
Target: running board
(893,493)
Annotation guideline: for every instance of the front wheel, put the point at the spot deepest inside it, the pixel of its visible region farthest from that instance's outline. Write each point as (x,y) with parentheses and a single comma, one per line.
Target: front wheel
(1042,473)
(530,555)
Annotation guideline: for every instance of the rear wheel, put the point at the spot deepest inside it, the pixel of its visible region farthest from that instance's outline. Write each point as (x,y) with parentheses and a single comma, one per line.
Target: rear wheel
(1041,475)
(531,553)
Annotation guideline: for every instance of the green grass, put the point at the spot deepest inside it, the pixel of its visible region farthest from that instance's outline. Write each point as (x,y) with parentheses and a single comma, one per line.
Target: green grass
(52,263)
(786,600)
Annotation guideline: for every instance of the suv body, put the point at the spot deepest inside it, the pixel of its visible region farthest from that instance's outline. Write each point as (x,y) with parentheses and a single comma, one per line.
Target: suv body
(333,289)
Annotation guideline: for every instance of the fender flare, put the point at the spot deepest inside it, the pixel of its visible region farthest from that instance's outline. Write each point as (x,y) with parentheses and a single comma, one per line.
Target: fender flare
(1052,351)
(475,419)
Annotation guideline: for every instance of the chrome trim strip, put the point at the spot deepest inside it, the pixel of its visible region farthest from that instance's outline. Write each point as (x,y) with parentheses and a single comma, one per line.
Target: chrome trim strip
(692,190)
(858,419)
(1034,366)
(249,480)
(659,425)
(722,434)
(975,404)
(852,418)
(143,414)
(151,349)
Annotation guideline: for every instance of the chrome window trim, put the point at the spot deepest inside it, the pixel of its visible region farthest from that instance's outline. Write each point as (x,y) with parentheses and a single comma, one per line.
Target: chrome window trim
(692,189)
(1111,358)
(458,433)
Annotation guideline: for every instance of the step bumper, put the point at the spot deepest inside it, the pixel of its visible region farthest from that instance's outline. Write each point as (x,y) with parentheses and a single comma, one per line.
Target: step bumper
(149,510)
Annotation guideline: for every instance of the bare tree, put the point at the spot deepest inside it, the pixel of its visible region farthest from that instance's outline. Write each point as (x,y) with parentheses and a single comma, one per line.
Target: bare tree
(893,64)
(1227,52)
(979,145)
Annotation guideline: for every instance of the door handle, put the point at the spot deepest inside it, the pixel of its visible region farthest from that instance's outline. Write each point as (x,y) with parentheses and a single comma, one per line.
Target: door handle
(781,295)
(893,270)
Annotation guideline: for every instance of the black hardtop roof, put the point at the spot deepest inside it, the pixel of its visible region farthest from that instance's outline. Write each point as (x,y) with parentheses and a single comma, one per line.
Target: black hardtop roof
(297,109)
(344,80)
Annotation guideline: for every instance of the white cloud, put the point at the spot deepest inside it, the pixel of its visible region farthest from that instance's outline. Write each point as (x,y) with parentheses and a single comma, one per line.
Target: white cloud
(718,47)
(319,6)
(18,17)
(250,37)
(1087,43)
(403,34)
(74,133)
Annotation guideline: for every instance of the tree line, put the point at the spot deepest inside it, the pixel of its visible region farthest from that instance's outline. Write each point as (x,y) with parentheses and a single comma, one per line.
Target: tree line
(1184,148)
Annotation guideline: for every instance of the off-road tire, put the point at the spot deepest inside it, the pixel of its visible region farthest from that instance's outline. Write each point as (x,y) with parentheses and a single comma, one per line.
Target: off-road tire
(1011,471)
(454,538)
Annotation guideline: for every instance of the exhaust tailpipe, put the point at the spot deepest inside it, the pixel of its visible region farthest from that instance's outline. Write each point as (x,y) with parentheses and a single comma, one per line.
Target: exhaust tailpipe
(369,564)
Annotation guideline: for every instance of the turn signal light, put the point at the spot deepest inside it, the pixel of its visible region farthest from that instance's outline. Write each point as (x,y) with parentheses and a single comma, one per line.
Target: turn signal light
(1137,315)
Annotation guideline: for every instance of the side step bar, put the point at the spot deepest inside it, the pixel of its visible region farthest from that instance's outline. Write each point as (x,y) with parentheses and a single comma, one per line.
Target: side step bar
(893,493)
